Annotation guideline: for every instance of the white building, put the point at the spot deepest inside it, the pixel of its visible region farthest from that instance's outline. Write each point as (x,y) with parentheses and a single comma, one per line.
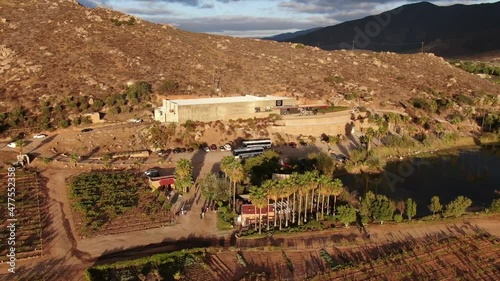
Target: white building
(213,109)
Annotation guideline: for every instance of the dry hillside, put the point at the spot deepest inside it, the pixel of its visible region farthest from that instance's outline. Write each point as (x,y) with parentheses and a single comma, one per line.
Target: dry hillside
(59,48)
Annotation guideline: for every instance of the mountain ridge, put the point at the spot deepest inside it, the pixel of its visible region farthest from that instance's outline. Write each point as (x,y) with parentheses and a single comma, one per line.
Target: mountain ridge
(70,50)
(454,30)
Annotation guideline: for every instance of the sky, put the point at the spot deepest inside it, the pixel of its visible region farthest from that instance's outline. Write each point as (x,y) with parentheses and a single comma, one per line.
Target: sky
(255,18)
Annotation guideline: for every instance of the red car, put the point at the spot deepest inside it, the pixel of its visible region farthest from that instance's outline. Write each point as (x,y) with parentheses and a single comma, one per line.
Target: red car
(292,144)
(213,147)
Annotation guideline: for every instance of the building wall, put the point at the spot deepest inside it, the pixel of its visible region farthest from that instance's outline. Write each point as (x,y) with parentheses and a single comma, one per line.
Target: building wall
(171,112)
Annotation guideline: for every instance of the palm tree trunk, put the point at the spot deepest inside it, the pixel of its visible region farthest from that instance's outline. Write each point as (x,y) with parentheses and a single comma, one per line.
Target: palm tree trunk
(234,197)
(255,216)
(312,201)
(334,204)
(268,213)
(317,207)
(275,211)
(328,205)
(299,211)
(285,214)
(293,208)
(305,207)
(281,216)
(260,221)
(323,208)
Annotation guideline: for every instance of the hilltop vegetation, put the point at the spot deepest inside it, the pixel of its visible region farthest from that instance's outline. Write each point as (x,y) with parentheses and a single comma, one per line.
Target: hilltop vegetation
(71,52)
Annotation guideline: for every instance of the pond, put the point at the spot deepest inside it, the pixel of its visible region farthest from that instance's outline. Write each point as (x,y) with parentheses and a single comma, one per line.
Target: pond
(471,172)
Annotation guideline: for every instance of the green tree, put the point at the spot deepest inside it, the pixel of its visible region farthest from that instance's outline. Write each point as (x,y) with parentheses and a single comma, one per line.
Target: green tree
(269,186)
(366,202)
(435,206)
(234,171)
(323,162)
(382,209)
(258,197)
(215,188)
(411,208)
(346,214)
(183,174)
(457,207)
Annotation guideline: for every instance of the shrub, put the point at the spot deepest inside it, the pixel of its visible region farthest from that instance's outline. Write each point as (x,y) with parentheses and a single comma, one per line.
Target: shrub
(333,79)
(398,218)
(169,87)
(495,205)
(64,123)
(421,103)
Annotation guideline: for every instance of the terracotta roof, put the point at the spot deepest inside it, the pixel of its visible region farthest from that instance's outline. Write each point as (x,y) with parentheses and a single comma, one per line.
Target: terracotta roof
(249,209)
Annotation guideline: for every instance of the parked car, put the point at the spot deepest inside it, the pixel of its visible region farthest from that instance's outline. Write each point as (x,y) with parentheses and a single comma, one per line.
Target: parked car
(161,152)
(222,148)
(206,148)
(228,147)
(190,149)
(39,136)
(86,130)
(12,145)
(152,173)
(213,147)
(303,143)
(292,144)
(341,158)
(176,150)
(183,150)
(135,120)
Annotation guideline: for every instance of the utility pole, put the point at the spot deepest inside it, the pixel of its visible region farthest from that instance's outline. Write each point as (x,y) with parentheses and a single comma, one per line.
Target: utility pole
(422,47)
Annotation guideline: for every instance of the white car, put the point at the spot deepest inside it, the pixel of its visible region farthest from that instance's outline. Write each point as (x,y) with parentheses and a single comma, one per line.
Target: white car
(207,149)
(135,120)
(39,136)
(12,145)
(227,147)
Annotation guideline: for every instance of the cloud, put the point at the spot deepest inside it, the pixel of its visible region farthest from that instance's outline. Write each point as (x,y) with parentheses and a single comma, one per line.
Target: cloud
(238,24)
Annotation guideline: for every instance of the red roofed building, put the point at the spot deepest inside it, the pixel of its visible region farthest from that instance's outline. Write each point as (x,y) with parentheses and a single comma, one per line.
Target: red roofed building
(166,181)
(249,214)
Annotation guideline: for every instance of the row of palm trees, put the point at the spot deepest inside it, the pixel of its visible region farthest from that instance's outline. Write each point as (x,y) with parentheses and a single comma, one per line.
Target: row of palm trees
(298,195)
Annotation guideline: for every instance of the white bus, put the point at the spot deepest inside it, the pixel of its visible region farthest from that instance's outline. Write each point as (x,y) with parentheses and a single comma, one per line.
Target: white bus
(247,152)
(265,143)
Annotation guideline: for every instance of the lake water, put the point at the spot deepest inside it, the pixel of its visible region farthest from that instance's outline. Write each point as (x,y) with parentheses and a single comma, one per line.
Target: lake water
(471,172)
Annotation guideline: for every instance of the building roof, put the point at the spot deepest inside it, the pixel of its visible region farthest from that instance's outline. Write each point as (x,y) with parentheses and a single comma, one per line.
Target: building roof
(247,209)
(247,98)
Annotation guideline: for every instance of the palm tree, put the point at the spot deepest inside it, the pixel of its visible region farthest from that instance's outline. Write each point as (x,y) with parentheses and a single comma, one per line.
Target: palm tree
(184,173)
(300,182)
(258,197)
(230,168)
(335,188)
(269,186)
(322,181)
(370,133)
(237,174)
(309,184)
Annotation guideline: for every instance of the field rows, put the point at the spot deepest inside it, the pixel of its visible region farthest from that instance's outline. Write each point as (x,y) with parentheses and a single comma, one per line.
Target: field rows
(435,259)
(28,231)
